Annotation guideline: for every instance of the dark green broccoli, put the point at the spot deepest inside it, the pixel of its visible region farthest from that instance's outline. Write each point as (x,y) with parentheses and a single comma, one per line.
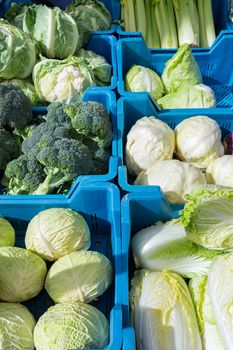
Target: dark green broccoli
(63,162)
(8,148)
(15,107)
(23,175)
(56,114)
(91,120)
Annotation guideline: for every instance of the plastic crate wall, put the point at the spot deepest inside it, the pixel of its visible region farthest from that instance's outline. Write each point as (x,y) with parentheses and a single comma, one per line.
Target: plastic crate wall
(108,99)
(99,203)
(132,108)
(215,65)
(221,21)
(138,211)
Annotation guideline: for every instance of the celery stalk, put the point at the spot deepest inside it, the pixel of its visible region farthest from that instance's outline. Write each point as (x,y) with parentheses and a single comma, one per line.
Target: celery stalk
(203,38)
(140,17)
(185,17)
(155,32)
(132,20)
(162,18)
(148,38)
(209,22)
(172,23)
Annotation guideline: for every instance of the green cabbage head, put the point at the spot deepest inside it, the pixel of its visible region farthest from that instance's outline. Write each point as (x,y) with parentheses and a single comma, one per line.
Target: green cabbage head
(22,274)
(181,70)
(79,276)
(62,81)
(16,327)
(7,234)
(71,326)
(17,52)
(142,79)
(56,232)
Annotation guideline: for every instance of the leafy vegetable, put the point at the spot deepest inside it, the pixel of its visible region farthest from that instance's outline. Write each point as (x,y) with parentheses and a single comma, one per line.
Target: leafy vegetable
(15,107)
(56,232)
(197,96)
(140,79)
(207,217)
(61,81)
(8,148)
(22,274)
(79,276)
(198,141)
(166,247)
(28,89)
(176,179)
(220,171)
(148,141)
(89,16)
(162,312)
(54,31)
(13,40)
(16,327)
(181,70)
(209,331)
(72,326)
(220,292)
(7,233)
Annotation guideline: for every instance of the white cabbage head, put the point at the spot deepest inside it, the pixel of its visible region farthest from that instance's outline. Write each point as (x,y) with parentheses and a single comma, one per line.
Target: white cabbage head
(148,141)
(7,234)
(175,178)
(165,246)
(211,338)
(22,274)
(56,232)
(16,327)
(220,171)
(162,312)
(71,326)
(198,141)
(79,276)
(220,286)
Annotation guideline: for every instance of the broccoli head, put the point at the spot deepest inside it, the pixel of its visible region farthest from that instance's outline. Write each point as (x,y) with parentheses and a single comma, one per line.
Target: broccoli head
(8,148)
(24,175)
(56,114)
(63,162)
(15,107)
(91,120)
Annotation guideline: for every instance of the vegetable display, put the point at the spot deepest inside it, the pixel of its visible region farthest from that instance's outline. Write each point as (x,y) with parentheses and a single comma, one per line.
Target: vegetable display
(178,161)
(180,85)
(170,23)
(73,281)
(47,155)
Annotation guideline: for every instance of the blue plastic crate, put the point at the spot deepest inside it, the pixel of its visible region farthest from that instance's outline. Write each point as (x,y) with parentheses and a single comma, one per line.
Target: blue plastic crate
(99,203)
(221,21)
(113,7)
(108,99)
(130,109)
(215,65)
(138,211)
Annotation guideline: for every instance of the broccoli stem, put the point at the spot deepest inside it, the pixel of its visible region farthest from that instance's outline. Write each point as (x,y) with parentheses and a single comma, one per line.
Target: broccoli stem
(188,32)
(52,182)
(155,32)
(140,17)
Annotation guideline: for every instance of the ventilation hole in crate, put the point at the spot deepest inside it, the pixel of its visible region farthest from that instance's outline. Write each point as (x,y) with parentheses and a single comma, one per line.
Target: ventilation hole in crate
(19,224)
(98,244)
(172,125)
(225,125)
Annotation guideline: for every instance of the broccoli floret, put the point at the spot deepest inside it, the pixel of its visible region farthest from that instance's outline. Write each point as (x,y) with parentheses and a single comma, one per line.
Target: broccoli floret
(56,114)
(63,162)
(8,148)
(45,135)
(15,107)
(24,175)
(91,120)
